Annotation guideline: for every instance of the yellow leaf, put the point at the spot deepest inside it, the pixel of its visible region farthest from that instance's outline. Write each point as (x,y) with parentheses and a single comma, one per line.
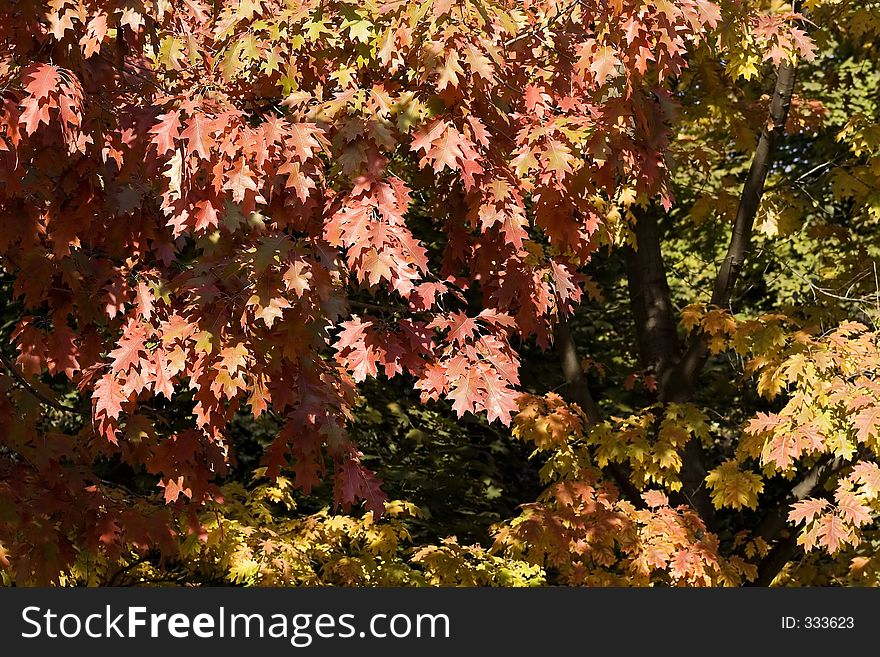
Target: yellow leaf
(734,488)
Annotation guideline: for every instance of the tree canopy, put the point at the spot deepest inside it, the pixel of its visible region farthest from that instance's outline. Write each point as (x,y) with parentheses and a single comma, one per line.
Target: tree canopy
(455,292)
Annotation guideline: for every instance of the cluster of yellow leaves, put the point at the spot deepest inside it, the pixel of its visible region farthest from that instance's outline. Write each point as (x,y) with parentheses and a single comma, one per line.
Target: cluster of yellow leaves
(830,416)
(759,336)
(733,487)
(254,547)
(255,537)
(451,564)
(771,35)
(833,403)
(650,442)
(859,180)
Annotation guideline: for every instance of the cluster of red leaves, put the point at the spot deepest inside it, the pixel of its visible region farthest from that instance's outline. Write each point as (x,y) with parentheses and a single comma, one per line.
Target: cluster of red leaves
(582,529)
(191,195)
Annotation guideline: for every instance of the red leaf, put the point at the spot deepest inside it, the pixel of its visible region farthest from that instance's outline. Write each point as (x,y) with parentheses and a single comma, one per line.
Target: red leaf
(128,353)
(174,488)
(867,424)
(604,64)
(161,378)
(851,508)
(42,81)
(144,300)
(239,180)
(834,532)
(108,396)
(354,482)
(868,475)
(198,136)
(499,399)
(806,510)
(166,132)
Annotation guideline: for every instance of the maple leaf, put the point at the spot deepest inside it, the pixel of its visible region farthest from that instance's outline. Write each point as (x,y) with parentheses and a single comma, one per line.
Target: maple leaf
(559,158)
(499,399)
(300,183)
(108,396)
(259,399)
(206,215)
(129,349)
(304,139)
(461,327)
(42,81)
(144,300)
(782,450)
(360,350)
(377,266)
(833,532)
(174,173)
(239,179)
(174,488)
(806,510)
(175,328)
(423,139)
(128,353)
(353,482)
(197,135)
(868,474)
(34,114)
(165,132)
(734,488)
(297,277)
(60,23)
(464,388)
(432,381)
(604,64)
(655,499)
(851,508)
(446,150)
(804,43)
(867,424)
(763,423)
(161,370)
(710,13)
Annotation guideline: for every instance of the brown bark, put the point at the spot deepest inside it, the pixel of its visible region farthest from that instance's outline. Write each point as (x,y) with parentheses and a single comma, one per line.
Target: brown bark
(678,383)
(659,349)
(576,386)
(656,331)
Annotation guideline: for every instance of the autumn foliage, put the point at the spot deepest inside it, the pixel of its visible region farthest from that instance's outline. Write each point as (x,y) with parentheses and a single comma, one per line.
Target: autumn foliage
(227,210)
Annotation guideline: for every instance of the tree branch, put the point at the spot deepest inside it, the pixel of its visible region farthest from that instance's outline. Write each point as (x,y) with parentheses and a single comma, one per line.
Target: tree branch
(39,396)
(777,519)
(649,297)
(683,381)
(576,384)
